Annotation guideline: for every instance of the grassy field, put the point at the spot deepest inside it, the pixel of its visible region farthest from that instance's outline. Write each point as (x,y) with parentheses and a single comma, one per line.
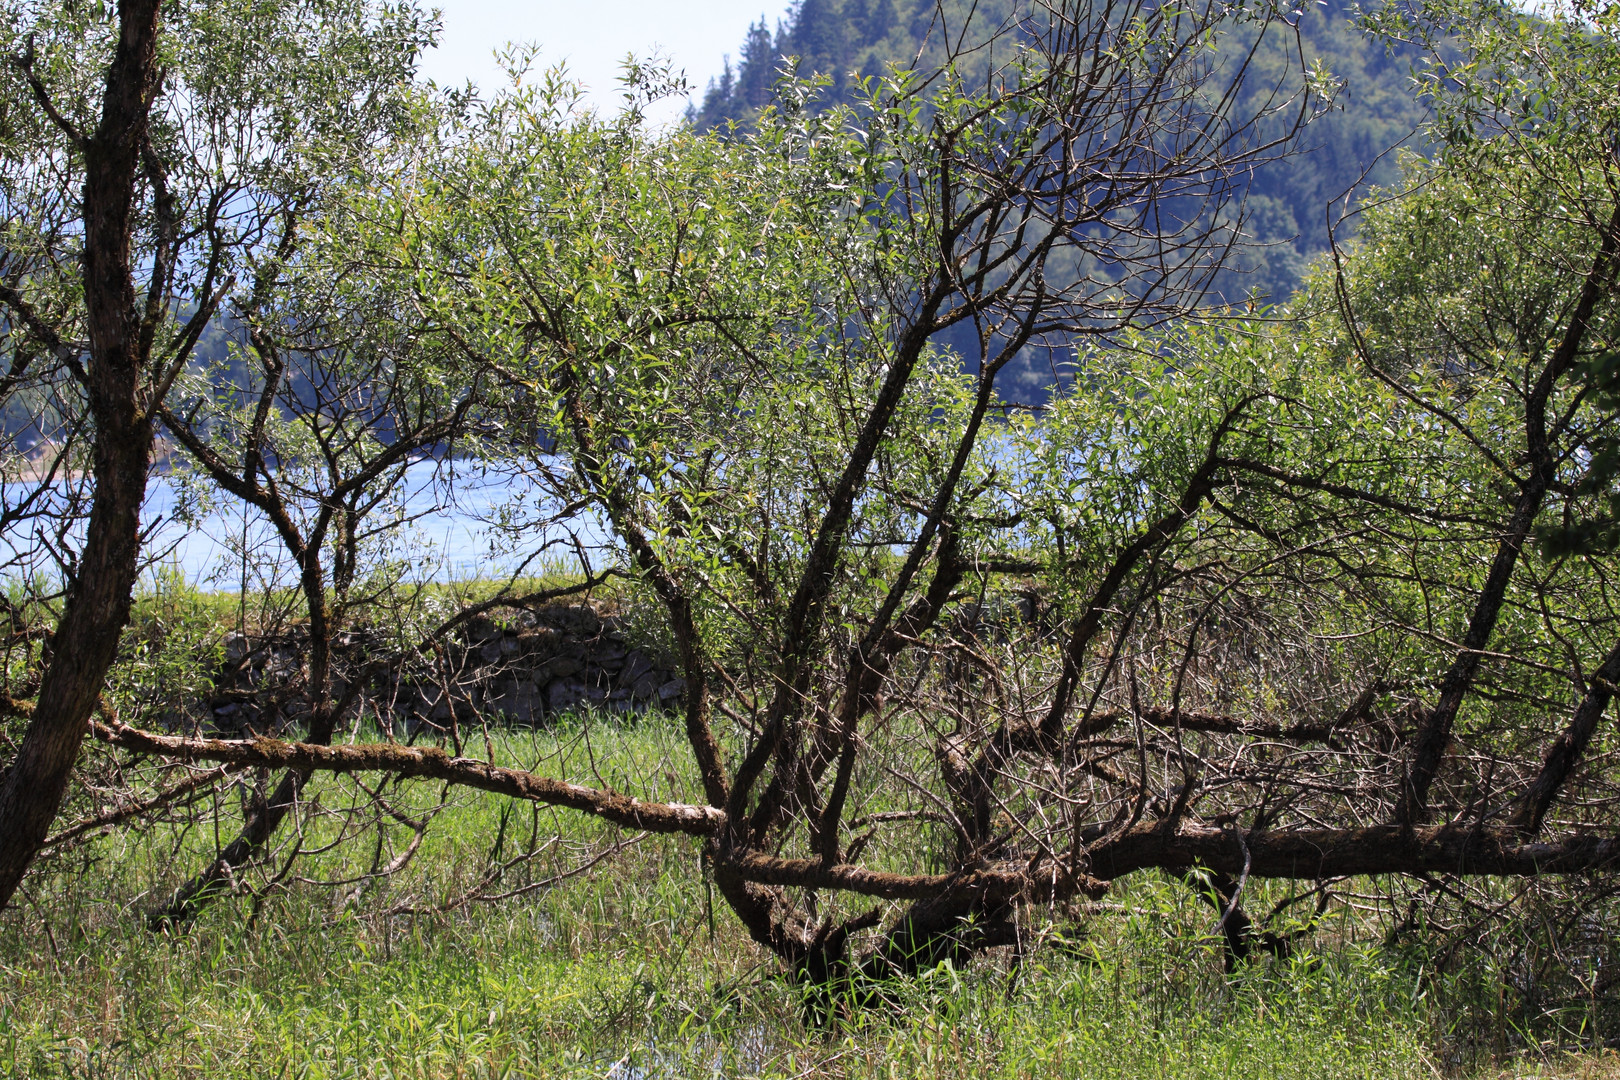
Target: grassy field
(627,971)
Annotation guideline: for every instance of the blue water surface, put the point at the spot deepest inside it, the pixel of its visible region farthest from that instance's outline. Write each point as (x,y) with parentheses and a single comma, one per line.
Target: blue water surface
(429,531)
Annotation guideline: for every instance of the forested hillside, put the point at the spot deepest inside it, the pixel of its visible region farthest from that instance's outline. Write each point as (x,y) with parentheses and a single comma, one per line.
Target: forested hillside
(1345,150)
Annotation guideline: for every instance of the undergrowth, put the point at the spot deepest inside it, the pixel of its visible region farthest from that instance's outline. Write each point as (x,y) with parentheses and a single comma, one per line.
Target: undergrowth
(633,970)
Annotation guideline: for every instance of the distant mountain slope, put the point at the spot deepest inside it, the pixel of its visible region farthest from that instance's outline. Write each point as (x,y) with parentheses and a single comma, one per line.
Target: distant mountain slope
(1287,202)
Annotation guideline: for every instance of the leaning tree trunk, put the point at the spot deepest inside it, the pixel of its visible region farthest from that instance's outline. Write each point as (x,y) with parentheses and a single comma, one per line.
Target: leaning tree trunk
(98,599)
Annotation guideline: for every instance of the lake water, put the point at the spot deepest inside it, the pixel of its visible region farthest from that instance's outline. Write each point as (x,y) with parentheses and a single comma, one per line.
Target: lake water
(438,541)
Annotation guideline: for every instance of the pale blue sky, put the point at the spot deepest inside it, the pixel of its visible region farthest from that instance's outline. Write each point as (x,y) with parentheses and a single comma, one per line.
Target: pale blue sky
(594,37)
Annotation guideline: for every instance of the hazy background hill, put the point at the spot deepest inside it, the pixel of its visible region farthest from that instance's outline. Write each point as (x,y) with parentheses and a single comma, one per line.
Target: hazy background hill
(1287,202)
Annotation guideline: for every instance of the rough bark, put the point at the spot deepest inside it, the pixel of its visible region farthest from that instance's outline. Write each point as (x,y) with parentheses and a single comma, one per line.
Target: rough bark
(421,763)
(1311,854)
(1303,854)
(98,599)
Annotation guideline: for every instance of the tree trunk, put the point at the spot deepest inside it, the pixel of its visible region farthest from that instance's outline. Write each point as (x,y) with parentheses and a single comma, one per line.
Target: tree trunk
(98,599)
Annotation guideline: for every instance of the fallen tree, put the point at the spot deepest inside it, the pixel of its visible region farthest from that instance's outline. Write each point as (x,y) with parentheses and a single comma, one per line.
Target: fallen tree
(1293,607)
(1310,854)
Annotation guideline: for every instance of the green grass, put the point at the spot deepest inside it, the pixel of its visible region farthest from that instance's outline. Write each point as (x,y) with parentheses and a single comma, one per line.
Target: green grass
(617,972)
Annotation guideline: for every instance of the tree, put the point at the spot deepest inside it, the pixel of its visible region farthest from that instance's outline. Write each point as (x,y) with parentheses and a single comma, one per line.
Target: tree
(1282,212)
(729,347)
(1501,346)
(319,440)
(154,159)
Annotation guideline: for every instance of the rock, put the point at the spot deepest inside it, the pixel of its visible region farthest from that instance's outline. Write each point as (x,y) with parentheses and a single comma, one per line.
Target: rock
(622,701)
(636,667)
(560,667)
(578,621)
(517,700)
(565,694)
(542,641)
(522,665)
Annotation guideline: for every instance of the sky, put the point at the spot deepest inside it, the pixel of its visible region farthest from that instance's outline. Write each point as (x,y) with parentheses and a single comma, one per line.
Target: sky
(593,38)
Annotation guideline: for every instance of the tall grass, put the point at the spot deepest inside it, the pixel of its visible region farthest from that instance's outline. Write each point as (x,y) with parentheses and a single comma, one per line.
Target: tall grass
(632,970)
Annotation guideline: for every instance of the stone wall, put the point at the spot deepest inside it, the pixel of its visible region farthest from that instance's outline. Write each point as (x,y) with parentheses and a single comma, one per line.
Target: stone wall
(524,668)
(560,658)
